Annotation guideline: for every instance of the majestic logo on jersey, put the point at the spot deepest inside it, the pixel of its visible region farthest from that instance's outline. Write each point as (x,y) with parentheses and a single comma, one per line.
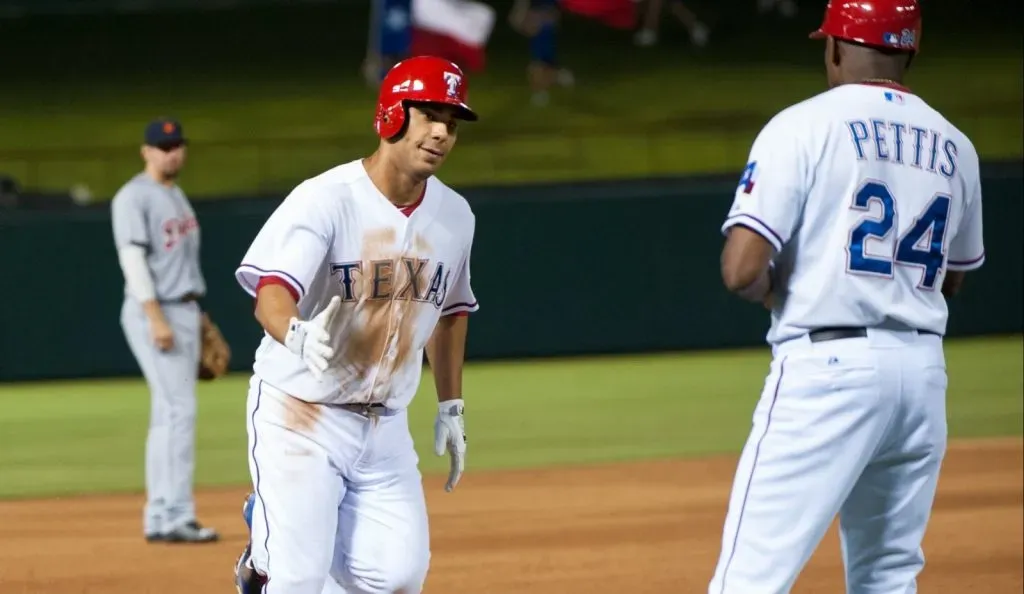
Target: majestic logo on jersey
(176,229)
(405,279)
(452,80)
(747,179)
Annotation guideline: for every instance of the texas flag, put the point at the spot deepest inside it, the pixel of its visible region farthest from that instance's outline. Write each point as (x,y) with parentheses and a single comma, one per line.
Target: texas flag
(620,14)
(454,29)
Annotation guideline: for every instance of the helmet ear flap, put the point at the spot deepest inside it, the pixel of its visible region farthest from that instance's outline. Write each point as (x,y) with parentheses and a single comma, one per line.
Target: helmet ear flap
(392,121)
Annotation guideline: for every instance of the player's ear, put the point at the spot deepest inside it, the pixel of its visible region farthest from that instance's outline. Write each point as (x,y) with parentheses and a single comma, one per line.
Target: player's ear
(835,50)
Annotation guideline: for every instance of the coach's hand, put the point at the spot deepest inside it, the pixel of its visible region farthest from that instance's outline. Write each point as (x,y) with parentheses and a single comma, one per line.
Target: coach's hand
(450,436)
(311,340)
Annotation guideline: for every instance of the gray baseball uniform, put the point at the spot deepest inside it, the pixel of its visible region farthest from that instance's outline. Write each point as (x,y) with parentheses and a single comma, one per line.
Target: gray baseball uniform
(160,219)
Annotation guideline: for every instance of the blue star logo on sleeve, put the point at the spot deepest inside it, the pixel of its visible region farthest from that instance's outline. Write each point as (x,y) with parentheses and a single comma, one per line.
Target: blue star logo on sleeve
(747,179)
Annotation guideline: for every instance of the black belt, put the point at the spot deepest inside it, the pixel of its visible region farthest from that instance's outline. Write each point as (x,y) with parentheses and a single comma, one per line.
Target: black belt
(839,333)
(375,409)
(186,298)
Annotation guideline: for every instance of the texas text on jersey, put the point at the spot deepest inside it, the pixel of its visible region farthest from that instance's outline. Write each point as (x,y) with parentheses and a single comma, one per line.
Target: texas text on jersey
(397,272)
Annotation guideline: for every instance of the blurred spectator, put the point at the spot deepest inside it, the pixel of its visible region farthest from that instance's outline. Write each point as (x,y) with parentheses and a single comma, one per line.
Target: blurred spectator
(457,30)
(390,37)
(538,21)
(786,8)
(9,191)
(617,14)
(648,33)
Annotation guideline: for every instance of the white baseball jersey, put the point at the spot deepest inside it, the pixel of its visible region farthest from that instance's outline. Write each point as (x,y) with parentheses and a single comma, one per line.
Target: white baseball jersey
(868,196)
(396,272)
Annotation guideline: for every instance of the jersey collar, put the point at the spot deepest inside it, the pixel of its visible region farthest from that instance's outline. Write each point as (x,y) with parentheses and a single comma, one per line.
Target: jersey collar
(408,209)
(886,84)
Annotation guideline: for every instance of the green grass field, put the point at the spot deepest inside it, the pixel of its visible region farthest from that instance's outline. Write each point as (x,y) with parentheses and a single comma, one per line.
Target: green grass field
(261,122)
(86,437)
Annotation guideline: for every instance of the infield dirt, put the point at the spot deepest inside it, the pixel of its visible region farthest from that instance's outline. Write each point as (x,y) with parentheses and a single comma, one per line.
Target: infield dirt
(646,527)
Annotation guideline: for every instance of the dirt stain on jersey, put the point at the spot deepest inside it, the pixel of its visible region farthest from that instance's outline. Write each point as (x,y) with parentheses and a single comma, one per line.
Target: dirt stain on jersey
(301,416)
(382,319)
(422,247)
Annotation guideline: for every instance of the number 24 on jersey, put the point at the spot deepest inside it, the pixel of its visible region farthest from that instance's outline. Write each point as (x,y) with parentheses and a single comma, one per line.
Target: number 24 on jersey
(921,245)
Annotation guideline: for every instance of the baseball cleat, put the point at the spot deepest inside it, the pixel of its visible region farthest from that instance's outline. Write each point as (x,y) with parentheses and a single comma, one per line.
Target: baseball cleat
(247,580)
(191,532)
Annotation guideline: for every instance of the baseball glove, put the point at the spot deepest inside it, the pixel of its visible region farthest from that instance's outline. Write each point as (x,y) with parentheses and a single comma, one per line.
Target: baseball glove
(216,354)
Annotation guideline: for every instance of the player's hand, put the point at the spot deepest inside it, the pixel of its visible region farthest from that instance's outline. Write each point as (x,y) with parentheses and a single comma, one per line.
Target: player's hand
(163,336)
(450,436)
(311,339)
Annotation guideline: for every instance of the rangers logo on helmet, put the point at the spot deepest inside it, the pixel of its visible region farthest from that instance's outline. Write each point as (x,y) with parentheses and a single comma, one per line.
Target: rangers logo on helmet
(452,80)
(421,79)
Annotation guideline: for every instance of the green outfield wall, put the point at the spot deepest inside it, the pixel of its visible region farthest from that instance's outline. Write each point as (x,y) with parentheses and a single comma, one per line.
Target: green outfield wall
(559,270)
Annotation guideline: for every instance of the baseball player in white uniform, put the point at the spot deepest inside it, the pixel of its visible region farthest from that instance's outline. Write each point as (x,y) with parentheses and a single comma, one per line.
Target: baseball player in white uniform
(357,273)
(855,219)
(157,239)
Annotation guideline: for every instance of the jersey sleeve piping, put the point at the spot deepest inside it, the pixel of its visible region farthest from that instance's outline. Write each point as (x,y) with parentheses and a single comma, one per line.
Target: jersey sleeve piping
(249,278)
(757,226)
(273,279)
(460,308)
(964,265)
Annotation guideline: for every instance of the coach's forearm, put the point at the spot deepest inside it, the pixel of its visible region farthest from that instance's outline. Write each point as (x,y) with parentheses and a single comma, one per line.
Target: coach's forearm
(757,291)
(275,309)
(951,285)
(747,264)
(446,352)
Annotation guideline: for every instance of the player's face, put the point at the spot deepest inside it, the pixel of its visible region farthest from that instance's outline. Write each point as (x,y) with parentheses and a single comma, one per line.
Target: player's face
(165,159)
(429,137)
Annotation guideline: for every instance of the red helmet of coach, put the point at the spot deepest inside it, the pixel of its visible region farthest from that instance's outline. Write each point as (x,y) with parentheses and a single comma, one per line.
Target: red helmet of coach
(894,24)
(422,79)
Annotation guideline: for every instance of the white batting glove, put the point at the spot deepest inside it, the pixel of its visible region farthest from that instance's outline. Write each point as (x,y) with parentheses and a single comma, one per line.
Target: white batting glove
(450,436)
(310,340)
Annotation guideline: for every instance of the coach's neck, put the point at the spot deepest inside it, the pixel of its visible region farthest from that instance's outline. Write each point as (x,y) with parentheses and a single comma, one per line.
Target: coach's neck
(851,63)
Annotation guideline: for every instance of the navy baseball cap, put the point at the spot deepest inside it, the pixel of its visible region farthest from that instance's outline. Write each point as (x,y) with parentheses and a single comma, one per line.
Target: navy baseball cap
(164,132)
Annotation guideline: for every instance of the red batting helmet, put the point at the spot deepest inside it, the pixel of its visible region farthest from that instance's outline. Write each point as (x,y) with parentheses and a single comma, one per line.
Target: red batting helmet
(894,24)
(424,79)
